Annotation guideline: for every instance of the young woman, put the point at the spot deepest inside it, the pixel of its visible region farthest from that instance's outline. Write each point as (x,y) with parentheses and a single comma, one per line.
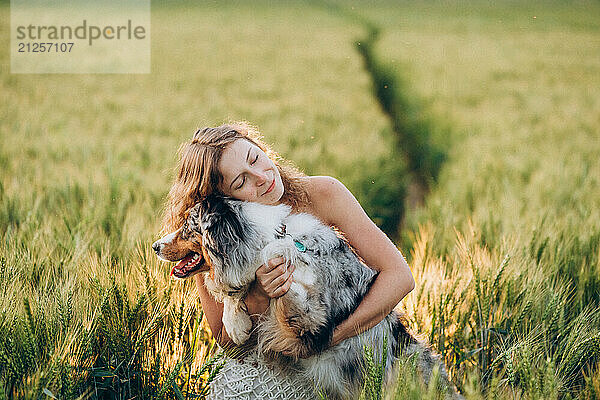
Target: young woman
(232,160)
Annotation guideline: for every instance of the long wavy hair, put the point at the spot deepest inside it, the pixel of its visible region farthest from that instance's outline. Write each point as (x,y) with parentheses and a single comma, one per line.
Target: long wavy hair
(197,174)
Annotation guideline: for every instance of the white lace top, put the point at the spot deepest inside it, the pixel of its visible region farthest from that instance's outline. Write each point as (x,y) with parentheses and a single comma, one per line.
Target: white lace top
(253,378)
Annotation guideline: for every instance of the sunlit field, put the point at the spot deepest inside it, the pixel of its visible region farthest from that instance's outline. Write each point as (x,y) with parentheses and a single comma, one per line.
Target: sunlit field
(505,248)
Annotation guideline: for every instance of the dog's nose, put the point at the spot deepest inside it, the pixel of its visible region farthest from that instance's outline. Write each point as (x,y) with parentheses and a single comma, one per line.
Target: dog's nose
(156,247)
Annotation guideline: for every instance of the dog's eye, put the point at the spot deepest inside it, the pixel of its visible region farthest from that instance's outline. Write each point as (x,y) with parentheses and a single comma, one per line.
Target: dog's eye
(255,159)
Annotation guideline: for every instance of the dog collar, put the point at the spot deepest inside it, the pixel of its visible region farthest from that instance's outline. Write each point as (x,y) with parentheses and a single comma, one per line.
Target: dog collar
(281,233)
(301,248)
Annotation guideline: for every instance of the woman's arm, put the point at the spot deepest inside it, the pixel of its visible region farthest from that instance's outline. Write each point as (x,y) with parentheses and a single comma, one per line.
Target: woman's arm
(333,203)
(213,311)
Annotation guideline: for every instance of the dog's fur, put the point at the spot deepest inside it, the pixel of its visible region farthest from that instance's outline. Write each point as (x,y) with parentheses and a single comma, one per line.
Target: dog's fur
(329,282)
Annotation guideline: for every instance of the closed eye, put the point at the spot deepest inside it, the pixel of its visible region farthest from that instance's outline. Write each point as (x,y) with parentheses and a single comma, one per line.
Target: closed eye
(242,184)
(244,178)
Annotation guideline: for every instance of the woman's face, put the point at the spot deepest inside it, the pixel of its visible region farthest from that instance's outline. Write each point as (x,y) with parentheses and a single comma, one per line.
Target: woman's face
(249,174)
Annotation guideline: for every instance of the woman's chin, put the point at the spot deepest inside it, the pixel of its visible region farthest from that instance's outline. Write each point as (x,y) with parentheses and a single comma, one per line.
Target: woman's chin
(273,197)
(278,192)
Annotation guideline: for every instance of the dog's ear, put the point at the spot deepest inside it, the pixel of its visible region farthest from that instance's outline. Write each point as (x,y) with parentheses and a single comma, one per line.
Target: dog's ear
(221,225)
(191,226)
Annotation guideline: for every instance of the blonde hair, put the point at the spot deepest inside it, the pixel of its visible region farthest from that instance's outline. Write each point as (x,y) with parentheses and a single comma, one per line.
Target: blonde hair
(197,173)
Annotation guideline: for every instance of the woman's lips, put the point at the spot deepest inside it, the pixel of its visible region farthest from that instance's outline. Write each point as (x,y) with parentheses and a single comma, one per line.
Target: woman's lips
(270,187)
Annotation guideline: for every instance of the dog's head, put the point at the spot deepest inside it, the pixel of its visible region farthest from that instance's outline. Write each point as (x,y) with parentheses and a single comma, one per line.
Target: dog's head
(222,235)
(230,239)
(185,245)
(212,231)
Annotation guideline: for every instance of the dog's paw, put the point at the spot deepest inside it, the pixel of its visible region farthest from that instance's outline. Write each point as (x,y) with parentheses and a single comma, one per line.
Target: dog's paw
(238,327)
(236,321)
(280,248)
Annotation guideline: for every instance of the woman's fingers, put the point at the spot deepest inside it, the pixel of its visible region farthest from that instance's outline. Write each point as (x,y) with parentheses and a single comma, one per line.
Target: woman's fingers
(282,289)
(282,278)
(287,284)
(276,281)
(273,263)
(266,272)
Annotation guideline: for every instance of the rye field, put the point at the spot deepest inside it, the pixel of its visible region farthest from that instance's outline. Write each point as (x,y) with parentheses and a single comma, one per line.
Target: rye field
(470,132)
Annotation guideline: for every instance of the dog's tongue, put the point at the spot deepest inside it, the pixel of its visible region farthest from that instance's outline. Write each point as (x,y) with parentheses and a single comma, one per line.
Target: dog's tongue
(186,267)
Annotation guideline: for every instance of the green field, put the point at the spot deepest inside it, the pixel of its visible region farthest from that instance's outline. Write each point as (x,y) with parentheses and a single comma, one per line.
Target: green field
(505,247)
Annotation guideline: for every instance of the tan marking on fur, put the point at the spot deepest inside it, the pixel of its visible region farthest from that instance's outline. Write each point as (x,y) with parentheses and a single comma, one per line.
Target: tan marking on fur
(287,341)
(281,331)
(177,249)
(209,263)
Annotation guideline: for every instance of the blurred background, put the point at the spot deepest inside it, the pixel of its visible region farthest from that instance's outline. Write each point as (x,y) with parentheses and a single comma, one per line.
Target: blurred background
(469,131)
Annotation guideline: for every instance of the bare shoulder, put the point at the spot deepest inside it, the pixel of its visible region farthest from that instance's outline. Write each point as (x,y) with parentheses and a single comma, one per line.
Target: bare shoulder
(334,204)
(329,198)
(320,187)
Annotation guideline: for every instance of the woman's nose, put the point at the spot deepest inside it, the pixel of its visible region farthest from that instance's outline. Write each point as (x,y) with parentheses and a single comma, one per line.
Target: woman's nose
(261,177)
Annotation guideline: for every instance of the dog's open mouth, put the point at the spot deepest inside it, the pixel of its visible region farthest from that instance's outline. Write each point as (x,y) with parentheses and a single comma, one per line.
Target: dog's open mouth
(188,266)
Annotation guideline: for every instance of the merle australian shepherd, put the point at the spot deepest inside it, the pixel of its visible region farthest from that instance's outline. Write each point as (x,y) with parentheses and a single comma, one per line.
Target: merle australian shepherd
(229,239)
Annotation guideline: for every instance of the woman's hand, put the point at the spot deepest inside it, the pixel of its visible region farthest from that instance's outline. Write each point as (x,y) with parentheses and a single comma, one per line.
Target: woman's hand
(274,278)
